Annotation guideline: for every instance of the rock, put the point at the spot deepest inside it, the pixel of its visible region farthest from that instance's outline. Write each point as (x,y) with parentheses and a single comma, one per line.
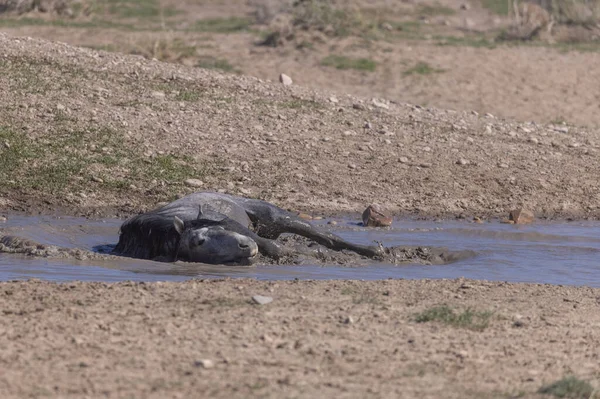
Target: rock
(262,300)
(521,216)
(462,161)
(374,216)
(158,94)
(403,160)
(368,125)
(348,320)
(561,129)
(285,80)
(349,133)
(334,100)
(533,140)
(193,182)
(97,179)
(331,222)
(305,216)
(204,363)
(380,104)
(2,219)
(503,166)
(359,106)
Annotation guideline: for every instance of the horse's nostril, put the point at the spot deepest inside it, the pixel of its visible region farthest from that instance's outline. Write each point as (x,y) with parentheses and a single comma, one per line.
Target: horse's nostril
(243,245)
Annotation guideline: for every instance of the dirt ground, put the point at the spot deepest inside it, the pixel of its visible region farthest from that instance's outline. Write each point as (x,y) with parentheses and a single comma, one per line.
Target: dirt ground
(345,339)
(436,120)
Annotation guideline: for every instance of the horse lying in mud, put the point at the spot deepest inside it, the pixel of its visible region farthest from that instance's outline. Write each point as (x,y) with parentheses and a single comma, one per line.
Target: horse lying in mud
(218,228)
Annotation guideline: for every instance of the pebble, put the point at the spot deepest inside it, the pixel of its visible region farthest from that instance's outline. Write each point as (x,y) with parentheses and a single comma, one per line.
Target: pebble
(193,182)
(262,300)
(462,161)
(503,166)
(285,80)
(2,219)
(561,129)
(368,125)
(331,222)
(425,165)
(348,320)
(349,133)
(158,94)
(403,160)
(427,149)
(359,106)
(204,363)
(97,179)
(7,144)
(533,140)
(333,100)
(380,104)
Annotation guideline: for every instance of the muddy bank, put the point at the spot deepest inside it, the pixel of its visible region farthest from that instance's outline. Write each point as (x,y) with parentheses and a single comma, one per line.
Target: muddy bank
(101,133)
(339,338)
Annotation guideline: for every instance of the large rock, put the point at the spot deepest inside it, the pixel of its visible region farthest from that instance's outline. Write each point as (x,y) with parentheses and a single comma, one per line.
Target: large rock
(521,216)
(374,216)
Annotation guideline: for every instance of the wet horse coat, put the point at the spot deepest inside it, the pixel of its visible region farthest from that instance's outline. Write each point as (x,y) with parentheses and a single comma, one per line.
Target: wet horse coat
(158,234)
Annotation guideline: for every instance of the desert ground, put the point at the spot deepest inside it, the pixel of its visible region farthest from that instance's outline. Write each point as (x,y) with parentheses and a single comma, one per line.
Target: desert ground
(108,109)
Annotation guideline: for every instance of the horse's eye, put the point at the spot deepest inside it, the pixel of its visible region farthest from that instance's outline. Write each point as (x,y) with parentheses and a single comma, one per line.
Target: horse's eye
(199,241)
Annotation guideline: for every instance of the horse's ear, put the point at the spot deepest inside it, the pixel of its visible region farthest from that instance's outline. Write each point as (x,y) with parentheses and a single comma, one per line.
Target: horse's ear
(199,212)
(178,223)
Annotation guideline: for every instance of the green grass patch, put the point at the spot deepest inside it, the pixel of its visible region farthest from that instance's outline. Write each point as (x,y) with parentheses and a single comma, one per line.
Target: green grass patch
(568,387)
(434,10)
(188,95)
(142,9)
(422,68)
(477,42)
(208,62)
(500,7)
(470,319)
(343,62)
(222,25)
(68,160)
(64,23)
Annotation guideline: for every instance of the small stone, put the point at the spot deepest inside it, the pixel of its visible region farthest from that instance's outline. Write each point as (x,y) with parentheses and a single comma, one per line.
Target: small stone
(352,166)
(331,222)
(427,149)
(488,115)
(387,26)
(465,6)
(368,125)
(6,144)
(561,129)
(503,166)
(2,219)
(305,216)
(425,165)
(521,216)
(158,94)
(403,160)
(285,80)
(462,161)
(193,182)
(533,140)
(204,363)
(333,100)
(262,300)
(359,106)
(97,179)
(380,104)
(374,216)
(349,133)
(348,320)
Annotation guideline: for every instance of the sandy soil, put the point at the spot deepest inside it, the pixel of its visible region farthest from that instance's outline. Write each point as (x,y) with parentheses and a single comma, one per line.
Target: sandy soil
(345,339)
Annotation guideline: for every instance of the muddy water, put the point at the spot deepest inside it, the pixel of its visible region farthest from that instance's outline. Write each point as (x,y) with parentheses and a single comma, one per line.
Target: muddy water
(558,253)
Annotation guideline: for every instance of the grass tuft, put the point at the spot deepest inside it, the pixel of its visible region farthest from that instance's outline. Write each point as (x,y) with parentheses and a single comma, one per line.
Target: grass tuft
(470,319)
(422,68)
(569,387)
(222,25)
(343,62)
